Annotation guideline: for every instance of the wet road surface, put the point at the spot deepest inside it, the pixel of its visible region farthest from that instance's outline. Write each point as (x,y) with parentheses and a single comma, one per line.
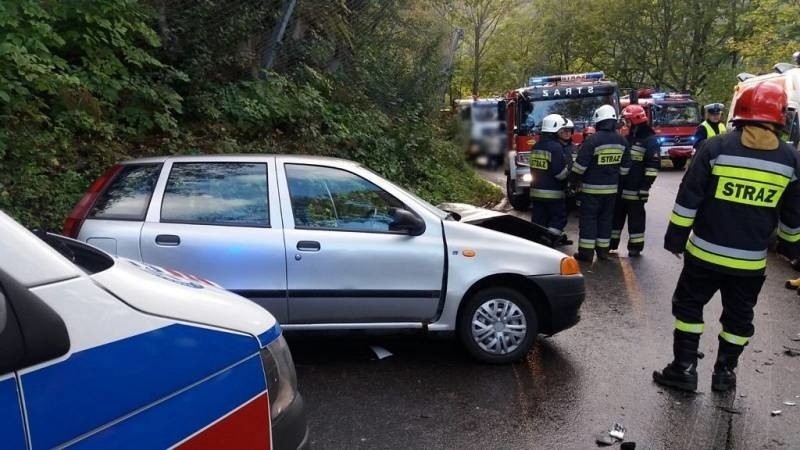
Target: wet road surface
(572,386)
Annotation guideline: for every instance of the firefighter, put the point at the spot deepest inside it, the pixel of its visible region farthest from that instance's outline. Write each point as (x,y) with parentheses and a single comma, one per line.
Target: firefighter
(602,158)
(634,188)
(711,126)
(549,171)
(740,187)
(565,137)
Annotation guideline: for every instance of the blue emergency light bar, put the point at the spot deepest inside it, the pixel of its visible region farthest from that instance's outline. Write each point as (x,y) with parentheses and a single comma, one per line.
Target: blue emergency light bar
(587,76)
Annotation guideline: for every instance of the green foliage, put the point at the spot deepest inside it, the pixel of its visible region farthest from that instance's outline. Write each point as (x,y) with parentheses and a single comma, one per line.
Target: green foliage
(85,84)
(692,45)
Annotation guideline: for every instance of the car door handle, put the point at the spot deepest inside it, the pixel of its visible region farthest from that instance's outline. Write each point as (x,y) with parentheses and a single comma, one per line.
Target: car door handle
(168,240)
(308,246)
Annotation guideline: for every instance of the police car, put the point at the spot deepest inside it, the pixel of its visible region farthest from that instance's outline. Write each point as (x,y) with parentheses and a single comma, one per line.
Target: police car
(104,352)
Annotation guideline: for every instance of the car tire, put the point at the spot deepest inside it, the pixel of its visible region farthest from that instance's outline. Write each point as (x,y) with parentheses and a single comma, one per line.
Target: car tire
(678,163)
(497,312)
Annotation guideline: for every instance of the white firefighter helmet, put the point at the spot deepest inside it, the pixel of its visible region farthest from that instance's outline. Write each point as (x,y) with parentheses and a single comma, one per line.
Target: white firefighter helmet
(552,123)
(605,112)
(569,124)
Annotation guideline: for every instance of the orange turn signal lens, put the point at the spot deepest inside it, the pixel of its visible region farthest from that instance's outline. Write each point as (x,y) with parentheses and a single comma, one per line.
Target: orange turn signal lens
(569,266)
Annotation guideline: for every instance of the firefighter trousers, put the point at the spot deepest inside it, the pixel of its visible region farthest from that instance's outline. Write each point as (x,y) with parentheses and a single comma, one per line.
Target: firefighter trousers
(633,211)
(595,221)
(551,214)
(697,284)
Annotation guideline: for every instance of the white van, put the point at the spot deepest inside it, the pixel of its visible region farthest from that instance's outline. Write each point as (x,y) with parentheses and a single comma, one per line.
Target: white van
(102,352)
(788,77)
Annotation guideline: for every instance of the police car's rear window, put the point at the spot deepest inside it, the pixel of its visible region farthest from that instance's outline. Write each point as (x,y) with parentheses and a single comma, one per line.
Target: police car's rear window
(128,195)
(86,257)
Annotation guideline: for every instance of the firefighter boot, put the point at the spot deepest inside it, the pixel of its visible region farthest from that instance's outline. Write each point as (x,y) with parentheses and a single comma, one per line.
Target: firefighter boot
(585,255)
(682,372)
(724,378)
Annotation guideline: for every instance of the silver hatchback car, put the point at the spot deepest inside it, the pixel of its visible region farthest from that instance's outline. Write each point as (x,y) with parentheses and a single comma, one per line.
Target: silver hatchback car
(327,244)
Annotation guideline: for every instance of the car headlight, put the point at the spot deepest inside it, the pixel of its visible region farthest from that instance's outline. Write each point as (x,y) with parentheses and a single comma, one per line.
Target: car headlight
(281,376)
(527,178)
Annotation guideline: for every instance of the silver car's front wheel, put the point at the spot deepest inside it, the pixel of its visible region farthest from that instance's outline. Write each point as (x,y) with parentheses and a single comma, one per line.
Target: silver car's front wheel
(498,325)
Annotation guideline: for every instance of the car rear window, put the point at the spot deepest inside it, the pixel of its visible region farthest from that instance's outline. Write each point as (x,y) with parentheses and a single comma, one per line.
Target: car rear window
(225,193)
(128,195)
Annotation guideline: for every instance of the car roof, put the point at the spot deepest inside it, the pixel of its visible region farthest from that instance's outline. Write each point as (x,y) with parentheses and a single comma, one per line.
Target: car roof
(236,157)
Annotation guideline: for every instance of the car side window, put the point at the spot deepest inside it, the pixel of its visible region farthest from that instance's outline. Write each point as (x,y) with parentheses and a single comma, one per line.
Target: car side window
(219,193)
(335,199)
(128,195)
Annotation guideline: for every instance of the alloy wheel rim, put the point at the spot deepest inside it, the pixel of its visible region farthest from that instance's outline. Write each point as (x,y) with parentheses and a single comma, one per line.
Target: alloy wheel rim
(498,326)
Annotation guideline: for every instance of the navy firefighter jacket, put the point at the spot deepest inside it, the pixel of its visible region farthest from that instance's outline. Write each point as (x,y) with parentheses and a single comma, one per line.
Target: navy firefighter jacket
(645,162)
(549,169)
(730,202)
(602,158)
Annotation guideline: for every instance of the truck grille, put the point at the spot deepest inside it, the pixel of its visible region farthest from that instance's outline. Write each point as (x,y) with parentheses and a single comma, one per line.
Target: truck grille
(676,140)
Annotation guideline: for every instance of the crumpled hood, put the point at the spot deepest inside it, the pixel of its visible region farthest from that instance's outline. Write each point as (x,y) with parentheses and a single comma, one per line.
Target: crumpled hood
(167,293)
(498,252)
(502,222)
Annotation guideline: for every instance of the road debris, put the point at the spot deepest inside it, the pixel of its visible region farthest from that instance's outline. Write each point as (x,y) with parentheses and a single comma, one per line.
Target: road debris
(788,403)
(793,352)
(759,371)
(777,412)
(618,431)
(604,439)
(729,410)
(380,352)
(611,437)
(769,363)
(628,446)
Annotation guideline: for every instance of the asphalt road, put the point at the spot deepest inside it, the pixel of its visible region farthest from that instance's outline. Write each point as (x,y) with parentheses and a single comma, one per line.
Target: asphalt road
(572,386)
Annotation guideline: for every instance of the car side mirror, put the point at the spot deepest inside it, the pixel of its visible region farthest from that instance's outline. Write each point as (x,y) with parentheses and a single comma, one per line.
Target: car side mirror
(31,331)
(407,222)
(3,311)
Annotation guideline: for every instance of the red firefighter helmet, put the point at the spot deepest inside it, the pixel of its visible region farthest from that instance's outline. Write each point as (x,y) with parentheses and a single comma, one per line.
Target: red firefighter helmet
(635,114)
(761,102)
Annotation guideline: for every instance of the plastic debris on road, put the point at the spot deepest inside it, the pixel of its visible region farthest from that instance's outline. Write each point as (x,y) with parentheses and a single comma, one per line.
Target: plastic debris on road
(777,412)
(617,431)
(788,403)
(380,352)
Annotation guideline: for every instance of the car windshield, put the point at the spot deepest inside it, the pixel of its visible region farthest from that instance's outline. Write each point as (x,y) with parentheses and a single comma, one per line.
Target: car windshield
(678,114)
(579,110)
(485,112)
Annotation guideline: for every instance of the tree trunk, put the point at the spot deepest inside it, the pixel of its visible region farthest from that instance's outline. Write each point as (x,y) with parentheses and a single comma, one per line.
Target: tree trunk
(476,71)
(271,51)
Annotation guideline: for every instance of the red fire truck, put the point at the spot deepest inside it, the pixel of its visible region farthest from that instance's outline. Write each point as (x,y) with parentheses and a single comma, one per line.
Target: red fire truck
(674,118)
(574,96)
